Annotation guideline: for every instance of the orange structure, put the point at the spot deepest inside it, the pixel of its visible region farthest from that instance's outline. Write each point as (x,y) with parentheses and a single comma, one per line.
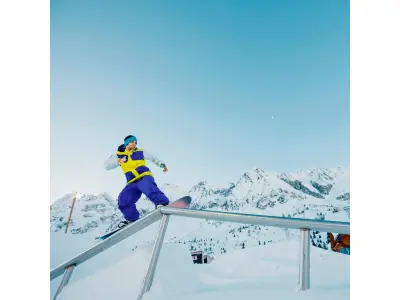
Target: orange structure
(341,243)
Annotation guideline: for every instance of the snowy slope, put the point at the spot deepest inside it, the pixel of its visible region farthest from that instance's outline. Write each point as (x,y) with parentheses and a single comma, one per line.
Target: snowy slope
(313,193)
(254,273)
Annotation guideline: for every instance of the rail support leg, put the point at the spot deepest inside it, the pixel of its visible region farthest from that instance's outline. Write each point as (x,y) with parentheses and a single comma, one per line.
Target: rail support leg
(304,269)
(148,279)
(67,275)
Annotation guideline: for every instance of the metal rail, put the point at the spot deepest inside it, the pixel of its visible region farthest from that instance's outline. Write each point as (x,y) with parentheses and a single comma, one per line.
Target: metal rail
(148,279)
(304,225)
(283,222)
(111,241)
(304,267)
(65,279)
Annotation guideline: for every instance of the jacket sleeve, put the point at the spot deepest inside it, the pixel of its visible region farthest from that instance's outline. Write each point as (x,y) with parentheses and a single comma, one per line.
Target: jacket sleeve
(153,159)
(111,162)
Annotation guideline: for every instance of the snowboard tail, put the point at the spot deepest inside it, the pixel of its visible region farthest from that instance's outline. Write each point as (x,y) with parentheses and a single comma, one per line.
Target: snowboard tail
(183,202)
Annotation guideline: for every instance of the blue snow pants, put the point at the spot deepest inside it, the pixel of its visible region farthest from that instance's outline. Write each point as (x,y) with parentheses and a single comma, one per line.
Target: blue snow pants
(132,192)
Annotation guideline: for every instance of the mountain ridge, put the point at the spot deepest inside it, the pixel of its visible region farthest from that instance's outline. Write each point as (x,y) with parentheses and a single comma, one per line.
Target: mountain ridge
(311,193)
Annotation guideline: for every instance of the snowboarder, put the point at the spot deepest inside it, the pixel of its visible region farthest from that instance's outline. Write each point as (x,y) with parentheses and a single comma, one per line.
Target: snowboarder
(139,178)
(341,244)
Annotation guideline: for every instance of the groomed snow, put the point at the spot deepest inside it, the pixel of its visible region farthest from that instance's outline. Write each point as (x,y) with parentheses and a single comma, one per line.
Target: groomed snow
(252,273)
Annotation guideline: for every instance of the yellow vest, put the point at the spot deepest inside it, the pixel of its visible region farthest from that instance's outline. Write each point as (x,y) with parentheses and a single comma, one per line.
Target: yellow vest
(135,166)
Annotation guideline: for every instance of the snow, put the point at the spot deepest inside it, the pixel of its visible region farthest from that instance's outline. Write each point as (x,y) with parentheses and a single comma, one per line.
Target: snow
(249,261)
(253,273)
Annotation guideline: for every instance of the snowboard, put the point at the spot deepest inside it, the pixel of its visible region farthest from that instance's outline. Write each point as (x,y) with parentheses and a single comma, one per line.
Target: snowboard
(183,202)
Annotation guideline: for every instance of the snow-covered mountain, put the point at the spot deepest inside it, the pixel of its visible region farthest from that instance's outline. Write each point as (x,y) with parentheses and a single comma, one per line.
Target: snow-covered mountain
(312,193)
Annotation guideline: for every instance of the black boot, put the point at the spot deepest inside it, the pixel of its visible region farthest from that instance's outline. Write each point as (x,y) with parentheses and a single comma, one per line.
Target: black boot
(124,223)
(161,205)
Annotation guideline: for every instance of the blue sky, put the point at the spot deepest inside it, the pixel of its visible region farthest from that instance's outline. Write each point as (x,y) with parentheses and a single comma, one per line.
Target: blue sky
(198,83)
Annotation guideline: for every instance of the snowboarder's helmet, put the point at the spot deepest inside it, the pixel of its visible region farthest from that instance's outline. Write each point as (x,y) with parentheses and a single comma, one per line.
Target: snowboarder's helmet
(129,139)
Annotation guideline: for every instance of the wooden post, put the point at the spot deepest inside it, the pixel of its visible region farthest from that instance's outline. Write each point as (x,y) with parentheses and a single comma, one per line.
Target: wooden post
(70,213)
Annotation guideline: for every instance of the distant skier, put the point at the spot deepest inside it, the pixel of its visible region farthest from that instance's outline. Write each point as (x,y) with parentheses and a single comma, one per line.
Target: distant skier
(139,179)
(341,243)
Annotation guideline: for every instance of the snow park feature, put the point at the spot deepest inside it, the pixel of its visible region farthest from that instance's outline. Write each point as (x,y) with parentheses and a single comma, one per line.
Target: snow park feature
(250,258)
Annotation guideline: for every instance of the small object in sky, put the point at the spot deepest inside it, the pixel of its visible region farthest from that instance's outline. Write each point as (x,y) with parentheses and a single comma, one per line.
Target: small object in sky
(272,117)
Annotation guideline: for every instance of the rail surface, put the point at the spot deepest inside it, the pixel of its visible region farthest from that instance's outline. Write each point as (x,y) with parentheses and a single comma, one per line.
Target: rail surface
(283,222)
(104,245)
